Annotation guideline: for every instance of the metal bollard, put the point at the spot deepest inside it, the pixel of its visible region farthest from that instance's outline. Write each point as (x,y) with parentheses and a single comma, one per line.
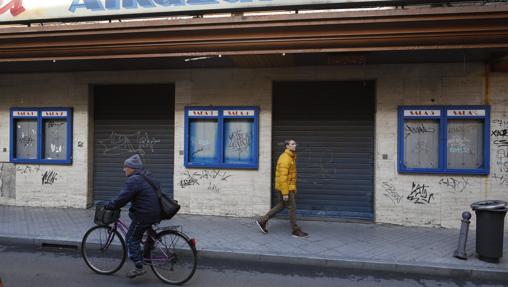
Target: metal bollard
(464,228)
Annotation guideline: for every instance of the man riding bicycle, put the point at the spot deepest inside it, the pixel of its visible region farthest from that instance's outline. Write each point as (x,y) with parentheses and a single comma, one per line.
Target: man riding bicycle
(144,210)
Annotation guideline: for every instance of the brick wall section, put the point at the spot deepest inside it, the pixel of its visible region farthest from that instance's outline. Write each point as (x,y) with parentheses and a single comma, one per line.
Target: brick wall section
(71,181)
(247,192)
(453,194)
(243,192)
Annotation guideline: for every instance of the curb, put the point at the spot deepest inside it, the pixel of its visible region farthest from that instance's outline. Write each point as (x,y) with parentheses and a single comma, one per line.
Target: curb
(362,264)
(351,264)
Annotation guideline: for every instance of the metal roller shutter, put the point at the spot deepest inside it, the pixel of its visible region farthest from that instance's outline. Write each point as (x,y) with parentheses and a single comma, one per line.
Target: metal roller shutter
(333,125)
(132,119)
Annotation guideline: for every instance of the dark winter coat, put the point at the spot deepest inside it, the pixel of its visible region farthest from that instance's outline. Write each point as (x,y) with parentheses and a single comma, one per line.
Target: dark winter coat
(145,206)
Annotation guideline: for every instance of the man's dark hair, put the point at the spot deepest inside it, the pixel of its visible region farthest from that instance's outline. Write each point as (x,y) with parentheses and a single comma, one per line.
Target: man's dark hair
(286,142)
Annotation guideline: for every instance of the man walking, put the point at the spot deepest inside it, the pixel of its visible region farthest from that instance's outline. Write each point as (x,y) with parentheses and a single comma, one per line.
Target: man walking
(285,185)
(144,210)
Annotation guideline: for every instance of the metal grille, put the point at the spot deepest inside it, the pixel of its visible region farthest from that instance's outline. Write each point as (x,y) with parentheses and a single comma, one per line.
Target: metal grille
(132,119)
(333,124)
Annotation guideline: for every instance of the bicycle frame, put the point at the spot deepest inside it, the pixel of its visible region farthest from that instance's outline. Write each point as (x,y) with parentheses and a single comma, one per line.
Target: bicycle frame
(123,228)
(169,252)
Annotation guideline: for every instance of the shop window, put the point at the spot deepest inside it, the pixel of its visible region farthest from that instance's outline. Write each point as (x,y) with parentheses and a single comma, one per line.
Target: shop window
(444,139)
(41,135)
(221,137)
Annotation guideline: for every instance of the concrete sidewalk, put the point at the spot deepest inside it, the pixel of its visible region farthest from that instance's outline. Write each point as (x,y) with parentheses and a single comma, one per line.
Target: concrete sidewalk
(332,244)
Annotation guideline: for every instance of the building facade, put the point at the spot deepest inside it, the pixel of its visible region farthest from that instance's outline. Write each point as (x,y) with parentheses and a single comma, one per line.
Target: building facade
(388,136)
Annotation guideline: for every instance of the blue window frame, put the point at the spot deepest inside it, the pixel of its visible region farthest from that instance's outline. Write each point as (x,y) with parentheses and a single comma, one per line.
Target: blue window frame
(444,139)
(41,135)
(221,137)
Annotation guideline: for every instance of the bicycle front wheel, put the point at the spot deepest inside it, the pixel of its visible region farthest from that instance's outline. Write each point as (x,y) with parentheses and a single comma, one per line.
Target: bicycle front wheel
(103,249)
(173,257)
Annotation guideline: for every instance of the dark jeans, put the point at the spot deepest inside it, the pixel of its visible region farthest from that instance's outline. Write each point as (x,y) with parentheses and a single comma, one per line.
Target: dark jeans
(133,237)
(290,204)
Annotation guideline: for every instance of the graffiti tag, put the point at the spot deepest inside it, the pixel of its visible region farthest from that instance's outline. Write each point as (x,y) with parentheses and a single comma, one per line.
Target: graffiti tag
(391,193)
(49,177)
(454,184)
(419,194)
(118,144)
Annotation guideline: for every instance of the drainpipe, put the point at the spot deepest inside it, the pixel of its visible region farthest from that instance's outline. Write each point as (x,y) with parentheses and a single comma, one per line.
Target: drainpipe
(486,101)
(486,96)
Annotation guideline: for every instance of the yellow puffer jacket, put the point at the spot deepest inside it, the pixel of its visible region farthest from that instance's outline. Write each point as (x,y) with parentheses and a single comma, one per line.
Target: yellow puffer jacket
(285,173)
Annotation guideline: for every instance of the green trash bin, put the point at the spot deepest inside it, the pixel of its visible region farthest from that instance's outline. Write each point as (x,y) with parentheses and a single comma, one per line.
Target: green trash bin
(490,215)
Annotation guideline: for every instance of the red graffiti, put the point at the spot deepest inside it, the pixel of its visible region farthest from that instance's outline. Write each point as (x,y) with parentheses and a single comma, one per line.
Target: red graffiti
(16,7)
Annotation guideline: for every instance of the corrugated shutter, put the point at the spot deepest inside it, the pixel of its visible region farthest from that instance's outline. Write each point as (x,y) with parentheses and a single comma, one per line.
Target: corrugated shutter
(333,125)
(132,119)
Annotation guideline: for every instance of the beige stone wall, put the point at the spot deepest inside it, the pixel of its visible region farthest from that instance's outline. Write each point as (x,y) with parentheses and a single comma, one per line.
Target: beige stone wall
(247,192)
(451,194)
(229,192)
(70,181)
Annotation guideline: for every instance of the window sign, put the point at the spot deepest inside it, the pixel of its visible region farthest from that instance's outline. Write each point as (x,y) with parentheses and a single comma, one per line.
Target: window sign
(203,139)
(238,136)
(41,135)
(221,137)
(421,143)
(26,134)
(465,144)
(444,139)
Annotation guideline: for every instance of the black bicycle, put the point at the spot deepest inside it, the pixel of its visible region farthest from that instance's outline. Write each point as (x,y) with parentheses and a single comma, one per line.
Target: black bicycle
(170,253)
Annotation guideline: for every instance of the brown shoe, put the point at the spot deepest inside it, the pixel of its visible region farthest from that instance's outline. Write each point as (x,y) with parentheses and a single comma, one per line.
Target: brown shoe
(300,234)
(262,226)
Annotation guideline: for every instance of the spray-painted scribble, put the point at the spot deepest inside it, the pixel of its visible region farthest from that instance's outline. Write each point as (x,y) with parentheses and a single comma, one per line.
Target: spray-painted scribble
(213,187)
(26,140)
(54,123)
(49,177)
(458,145)
(28,169)
(391,193)
(198,151)
(220,175)
(239,141)
(418,128)
(118,143)
(210,178)
(500,133)
(502,160)
(420,194)
(56,149)
(189,180)
(454,184)
(501,179)
(500,143)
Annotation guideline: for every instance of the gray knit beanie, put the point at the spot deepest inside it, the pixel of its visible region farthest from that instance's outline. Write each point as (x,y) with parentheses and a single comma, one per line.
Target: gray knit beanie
(134,162)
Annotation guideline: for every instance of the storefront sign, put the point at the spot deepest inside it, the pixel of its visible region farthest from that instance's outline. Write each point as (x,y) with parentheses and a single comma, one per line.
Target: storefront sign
(39,10)
(54,114)
(239,113)
(24,113)
(422,113)
(203,113)
(466,113)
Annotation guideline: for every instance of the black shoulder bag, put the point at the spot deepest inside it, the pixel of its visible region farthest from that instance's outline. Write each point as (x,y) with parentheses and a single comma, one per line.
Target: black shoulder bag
(169,206)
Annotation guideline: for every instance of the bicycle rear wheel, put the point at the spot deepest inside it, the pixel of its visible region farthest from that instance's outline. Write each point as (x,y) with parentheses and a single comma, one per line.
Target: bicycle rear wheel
(103,249)
(173,258)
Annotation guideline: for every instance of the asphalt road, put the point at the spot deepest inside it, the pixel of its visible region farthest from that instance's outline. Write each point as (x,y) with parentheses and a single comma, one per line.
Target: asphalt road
(27,266)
